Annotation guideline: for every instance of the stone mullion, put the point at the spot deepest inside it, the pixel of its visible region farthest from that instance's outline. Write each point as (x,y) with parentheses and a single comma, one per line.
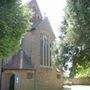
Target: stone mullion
(46,51)
(50,54)
(43,50)
(47,54)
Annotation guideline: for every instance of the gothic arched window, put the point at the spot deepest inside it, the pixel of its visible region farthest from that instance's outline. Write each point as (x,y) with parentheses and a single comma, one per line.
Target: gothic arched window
(45,52)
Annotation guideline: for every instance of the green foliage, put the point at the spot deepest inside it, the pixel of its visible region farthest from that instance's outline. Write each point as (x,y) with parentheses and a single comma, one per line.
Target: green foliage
(14,22)
(75,35)
(83,72)
(56,54)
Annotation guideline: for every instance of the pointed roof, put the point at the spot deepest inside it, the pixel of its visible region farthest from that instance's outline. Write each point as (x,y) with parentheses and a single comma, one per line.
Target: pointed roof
(37,17)
(38,20)
(19,60)
(45,25)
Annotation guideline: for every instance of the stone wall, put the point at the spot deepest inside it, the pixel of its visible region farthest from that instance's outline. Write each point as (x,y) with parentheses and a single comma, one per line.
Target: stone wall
(25,82)
(48,79)
(41,79)
(80,81)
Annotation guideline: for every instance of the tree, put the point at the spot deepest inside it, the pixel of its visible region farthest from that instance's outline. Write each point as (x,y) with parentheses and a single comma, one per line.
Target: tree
(57,60)
(14,22)
(75,32)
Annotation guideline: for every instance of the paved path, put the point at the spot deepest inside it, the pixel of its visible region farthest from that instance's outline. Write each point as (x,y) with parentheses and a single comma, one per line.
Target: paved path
(76,87)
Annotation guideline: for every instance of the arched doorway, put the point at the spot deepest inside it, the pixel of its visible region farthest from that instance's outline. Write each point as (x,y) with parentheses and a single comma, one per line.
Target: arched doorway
(12,82)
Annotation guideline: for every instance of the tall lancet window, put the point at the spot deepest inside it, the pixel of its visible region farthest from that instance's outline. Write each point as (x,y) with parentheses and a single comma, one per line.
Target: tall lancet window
(41,51)
(44,51)
(45,61)
(50,54)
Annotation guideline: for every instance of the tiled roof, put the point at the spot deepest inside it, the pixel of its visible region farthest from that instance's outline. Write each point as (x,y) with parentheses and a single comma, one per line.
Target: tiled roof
(19,61)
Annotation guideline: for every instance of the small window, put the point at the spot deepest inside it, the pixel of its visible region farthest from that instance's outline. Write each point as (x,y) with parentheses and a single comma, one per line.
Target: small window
(30,76)
(58,76)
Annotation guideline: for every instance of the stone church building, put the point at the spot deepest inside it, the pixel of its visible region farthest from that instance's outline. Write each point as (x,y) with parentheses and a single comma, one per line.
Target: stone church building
(31,68)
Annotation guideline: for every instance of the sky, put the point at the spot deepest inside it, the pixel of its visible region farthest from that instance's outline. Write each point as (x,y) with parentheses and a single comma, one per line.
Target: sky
(54,10)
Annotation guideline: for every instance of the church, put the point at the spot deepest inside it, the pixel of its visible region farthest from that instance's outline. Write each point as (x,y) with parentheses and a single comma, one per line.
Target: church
(31,68)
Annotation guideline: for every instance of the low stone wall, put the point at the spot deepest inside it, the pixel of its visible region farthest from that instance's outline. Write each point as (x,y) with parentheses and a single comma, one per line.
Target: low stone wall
(48,79)
(80,81)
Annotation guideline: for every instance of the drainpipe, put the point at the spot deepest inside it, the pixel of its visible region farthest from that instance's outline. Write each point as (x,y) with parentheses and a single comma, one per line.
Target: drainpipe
(34,79)
(21,59)
(1,71)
